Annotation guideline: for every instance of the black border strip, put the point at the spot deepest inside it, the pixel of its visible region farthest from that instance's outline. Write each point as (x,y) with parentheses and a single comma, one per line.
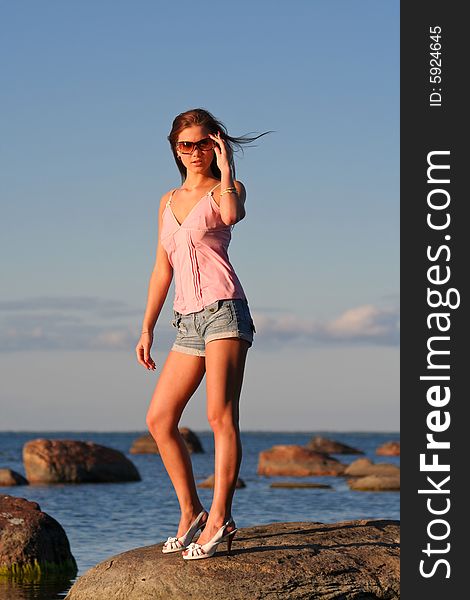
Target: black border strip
(432,132)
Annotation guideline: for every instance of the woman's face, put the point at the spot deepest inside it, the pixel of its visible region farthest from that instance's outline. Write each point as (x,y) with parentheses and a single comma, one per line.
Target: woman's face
(199,160)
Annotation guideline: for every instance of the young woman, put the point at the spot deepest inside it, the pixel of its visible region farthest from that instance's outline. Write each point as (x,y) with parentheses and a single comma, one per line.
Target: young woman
(213,322)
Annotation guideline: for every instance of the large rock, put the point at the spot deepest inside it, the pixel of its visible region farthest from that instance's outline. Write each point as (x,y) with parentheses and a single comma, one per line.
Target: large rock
(32,543)
(321,444)
(71,461)
(289,561)
(389,449)
(363,466)
(297,461)
(145,444)
(9,478)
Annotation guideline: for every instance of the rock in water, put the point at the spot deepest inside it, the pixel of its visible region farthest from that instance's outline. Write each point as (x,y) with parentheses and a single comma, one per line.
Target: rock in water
(33,545)
(8,477)
(389,449)
(363,467)
(193,443)
(145,444)
(300,484)
(321,444)
(375,483)
(301,561)
(71,461)
(210,482)
(297,461)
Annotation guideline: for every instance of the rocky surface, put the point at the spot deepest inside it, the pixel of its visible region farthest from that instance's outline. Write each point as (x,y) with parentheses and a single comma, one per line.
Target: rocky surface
(210,481)
(297,461)
(71,461)
(375,483)
(321,444)
(389,449)
(32,543)
(350,560)
(145,444)
(9,477)
(363,466)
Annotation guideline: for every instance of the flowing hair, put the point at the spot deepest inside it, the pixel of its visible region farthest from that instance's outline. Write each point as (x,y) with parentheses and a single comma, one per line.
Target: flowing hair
(199,116)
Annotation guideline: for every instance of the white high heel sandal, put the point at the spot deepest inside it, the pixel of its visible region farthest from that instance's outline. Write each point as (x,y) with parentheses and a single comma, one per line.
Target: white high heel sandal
(195,550)
(175,544)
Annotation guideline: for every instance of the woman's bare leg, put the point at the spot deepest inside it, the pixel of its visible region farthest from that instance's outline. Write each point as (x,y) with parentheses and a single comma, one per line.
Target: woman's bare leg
(225,365)
(180,377)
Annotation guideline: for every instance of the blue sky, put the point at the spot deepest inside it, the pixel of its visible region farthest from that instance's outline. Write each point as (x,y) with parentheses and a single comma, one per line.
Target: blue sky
(89,92)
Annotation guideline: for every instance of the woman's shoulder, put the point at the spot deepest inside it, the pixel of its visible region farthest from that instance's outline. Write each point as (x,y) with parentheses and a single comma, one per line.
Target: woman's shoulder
(166,196)
(164,200)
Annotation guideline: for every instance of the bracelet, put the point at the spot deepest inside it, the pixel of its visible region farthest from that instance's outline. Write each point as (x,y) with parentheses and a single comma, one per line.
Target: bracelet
(145,332)
(229,190)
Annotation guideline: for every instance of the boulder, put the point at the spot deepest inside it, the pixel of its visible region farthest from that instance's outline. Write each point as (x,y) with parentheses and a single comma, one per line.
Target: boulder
(363,466)
(389,449)
(9,477)
(209,482)
(347,560)
(145,444)
(71,461)
(375,483)
(321,444)
(297,461)
(33,545)
(192,441)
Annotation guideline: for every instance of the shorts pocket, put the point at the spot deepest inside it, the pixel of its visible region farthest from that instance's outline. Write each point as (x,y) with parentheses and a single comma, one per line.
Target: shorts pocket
(221,313)
(176,319)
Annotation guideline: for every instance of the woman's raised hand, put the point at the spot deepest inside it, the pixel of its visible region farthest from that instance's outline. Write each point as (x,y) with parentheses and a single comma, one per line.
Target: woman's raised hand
(220,150)
(143,351)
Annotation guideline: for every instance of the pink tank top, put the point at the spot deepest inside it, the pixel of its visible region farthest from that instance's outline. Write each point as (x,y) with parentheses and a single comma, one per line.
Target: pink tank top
(197,250)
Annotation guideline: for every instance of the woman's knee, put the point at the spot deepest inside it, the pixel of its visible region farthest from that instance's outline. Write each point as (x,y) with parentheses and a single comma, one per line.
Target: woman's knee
(224,422)
(160,423)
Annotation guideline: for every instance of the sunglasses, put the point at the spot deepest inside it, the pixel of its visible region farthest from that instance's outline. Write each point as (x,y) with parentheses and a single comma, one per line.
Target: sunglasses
(188,147)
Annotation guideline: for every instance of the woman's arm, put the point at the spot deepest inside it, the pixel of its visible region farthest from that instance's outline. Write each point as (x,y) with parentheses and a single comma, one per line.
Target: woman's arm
(232,205)
(160,281)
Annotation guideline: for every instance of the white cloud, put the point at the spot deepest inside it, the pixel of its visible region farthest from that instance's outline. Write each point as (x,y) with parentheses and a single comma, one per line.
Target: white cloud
(68,323)
(365,323)
(94,323)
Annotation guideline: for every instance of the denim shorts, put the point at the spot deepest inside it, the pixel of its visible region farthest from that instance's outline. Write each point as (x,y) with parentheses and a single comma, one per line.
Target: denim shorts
(222,319)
